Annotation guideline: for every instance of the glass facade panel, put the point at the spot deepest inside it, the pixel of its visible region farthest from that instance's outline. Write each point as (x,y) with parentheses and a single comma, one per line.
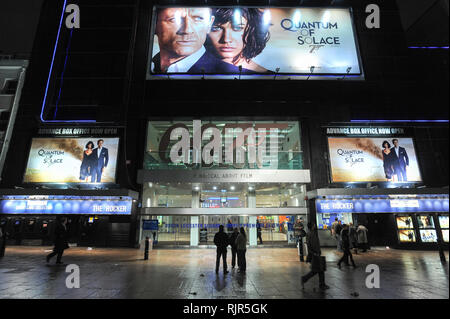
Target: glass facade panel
(325,220)
(237,145)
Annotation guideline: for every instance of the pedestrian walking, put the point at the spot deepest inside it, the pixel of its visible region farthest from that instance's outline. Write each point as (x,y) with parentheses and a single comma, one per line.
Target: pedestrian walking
(221,241)
(318,262)
(338,230)
(334,233)
(241,244)
(345,239)
(353,238)
(233,245)
(363,241)
(60,241)
(258,232)
(2,242)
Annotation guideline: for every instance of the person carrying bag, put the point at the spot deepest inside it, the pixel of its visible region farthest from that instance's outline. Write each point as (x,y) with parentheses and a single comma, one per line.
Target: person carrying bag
(318,262)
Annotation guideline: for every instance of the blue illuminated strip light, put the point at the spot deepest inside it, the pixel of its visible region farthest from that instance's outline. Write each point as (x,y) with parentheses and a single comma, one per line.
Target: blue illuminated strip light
(430,48)
(49,76)
(76,205)
(399,121)
(392,205)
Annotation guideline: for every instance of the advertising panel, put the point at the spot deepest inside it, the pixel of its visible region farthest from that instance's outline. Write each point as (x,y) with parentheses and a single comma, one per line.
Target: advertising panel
(371,159)
(425,221)
(445,235)
(428,235)
(443,221)
(72,160)
(76,205)
(382,205)
(252,42)
(407,236)
(404,222)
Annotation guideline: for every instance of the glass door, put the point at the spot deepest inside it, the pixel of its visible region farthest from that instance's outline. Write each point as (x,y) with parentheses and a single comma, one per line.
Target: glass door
(209,226)
(173,230)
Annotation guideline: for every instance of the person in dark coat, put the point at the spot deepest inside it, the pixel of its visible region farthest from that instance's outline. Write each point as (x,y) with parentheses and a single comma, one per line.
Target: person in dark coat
(233,237)
(60,241)
(221,241)
(258,232)
(314,253)
(2,241)
(241,245)
(353,238)
(346,247)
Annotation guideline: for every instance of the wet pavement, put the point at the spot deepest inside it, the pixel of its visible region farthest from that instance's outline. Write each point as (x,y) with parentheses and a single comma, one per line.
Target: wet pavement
(189,273)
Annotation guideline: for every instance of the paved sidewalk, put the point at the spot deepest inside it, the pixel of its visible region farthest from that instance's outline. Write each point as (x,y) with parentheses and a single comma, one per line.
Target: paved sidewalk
(189,273)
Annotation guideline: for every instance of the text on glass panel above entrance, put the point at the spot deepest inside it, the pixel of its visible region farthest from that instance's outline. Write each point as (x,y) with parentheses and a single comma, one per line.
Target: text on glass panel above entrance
(223,145)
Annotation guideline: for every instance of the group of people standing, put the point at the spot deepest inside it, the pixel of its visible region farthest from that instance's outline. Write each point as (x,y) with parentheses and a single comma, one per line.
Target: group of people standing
(238,242)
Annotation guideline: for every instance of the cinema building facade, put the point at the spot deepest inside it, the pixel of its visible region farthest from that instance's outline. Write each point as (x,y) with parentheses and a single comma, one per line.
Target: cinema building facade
(236,173)
(179,153)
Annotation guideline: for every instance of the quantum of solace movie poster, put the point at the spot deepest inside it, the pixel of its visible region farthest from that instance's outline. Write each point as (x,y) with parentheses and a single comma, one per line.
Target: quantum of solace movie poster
(219,40)
(72,160)
(373,159)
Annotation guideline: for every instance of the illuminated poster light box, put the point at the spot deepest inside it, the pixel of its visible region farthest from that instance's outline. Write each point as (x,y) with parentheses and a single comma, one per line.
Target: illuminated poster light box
(72,160)
(407,236)
(253,43)
(383,206)
(63,207)
(373,159)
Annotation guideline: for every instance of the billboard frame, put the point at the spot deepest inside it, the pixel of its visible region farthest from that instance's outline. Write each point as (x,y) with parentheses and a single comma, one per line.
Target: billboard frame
(377,182)
(294,76)
(75,184)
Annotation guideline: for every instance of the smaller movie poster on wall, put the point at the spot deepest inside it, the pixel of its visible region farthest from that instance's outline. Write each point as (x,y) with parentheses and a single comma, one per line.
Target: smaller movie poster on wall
(72,160)
(445,235)
(404,222)
(407,236)
(428,236)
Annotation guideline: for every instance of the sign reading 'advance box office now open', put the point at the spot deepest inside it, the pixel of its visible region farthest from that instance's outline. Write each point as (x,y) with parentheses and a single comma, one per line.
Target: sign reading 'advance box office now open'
(217,41)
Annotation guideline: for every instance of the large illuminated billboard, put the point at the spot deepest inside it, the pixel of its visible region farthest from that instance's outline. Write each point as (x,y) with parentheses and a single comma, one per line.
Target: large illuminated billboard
(222,42)
(370,159)
(72,160)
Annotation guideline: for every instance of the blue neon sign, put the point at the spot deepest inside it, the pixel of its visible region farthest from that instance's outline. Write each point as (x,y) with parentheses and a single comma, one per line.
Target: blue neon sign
(382,205)
(66,206)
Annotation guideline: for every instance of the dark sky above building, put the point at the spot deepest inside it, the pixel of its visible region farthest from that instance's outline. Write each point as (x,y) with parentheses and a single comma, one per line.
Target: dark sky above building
(426,23)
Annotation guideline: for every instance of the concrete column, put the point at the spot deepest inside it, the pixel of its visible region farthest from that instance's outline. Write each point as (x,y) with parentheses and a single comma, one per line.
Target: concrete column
(149,198)
(251,203)
(194,230)
(195,203)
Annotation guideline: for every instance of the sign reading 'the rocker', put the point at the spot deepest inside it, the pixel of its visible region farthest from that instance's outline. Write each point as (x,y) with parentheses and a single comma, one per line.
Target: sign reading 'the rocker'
(234,144)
